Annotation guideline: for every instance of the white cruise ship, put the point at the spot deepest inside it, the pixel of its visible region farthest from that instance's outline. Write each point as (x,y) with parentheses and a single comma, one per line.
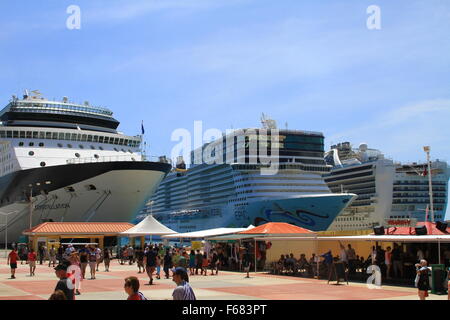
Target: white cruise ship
(71,162)
(389,193)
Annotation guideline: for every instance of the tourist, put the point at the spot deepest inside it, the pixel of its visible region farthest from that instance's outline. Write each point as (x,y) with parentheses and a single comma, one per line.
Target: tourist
(158,264)
(351,257)
(328,260)
(192,262)
(167,263)
(107,259)
(52,256)
(130,255)
(175,257)
(397,260)
(183,291)
(59,254)
(124,255)
(140,259)
(343,255)
(12,261)
(198,261)
(70,249)
(420,255)
(32,261)
(205,264)
(388,261)
(61,273)
(98,256)
(23,254)
(150,263)
(41,253)
(74,260)
(246,262)
(446,255)
(422,279)
(131,287)
(84,256)
(303,264)
(182,260)
(58,295)
(215,263)
(373,255)
(92,258)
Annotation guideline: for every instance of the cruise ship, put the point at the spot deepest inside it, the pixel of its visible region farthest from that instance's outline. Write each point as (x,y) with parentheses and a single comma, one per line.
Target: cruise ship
(389,193)
(235,192)
(62,161)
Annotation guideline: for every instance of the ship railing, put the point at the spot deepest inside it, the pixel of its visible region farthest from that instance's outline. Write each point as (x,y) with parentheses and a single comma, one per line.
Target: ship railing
(103,159)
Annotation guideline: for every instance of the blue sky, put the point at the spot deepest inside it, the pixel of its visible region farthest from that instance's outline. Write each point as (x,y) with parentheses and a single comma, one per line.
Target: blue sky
(312,64)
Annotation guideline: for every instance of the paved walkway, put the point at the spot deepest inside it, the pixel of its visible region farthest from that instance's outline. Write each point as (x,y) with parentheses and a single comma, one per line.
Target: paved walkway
(225,286)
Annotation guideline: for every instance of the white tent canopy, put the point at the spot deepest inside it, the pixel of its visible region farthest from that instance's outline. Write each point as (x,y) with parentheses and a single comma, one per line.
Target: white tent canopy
(148,226)
(206,233)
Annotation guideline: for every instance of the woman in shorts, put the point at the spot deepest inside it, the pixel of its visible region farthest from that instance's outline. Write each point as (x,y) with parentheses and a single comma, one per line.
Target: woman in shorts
(32,257)
(92,258)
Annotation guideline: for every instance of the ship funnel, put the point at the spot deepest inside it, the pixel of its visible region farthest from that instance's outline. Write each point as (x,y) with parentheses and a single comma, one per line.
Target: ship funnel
(180,163)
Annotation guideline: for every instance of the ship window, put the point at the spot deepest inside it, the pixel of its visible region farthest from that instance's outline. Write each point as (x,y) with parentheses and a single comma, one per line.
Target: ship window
(55,135)
(9,134)
(41,144)
(67,136)
(2,134)
(96,156)
(115,149)
(77,155)
(41,135)
(22,134)
(92,147)
(100,139)
(91,187)
(130,151)
(133,159)
(122,150)
(74,137)
(83,137)
(106,139)
(42,164)
(89,138)
(35,134)
(48,135)
(81,146)
(125,142)
(15,134)
(116,141)
(60,145)
(20,144)
(101,148)
(121,141)
(31,144)
(61,136)
(95,139)
(69,145)
(29,135)
(69,189)
(31,153)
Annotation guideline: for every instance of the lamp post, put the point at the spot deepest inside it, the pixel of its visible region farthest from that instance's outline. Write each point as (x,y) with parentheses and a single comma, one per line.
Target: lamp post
(430,184)
(6,230)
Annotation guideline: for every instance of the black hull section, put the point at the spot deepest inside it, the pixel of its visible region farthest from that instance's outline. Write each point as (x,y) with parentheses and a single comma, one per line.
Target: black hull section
(15,186)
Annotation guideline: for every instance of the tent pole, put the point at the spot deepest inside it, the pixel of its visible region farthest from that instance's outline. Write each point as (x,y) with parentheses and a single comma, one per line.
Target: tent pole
(255,255)
(439,251)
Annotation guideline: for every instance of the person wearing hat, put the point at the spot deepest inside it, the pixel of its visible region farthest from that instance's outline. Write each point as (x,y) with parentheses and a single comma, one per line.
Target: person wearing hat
(183,291)
(65,283)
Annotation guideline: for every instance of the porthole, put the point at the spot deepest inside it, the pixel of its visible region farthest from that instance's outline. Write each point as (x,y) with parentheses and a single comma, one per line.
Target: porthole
(69,146)
(41,144)
(101,148)
(20,144)
(60,145)
(133,159)
(92,147)
(77,155)
(115,149)
(81,146)
(31,144)
(96,156)
(31,153)
(42,164)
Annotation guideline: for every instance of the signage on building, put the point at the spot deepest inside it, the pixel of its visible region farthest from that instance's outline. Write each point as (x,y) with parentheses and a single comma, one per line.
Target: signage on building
(400,222)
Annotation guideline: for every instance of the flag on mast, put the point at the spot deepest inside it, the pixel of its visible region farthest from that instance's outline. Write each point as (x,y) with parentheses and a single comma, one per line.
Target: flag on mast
(142,127)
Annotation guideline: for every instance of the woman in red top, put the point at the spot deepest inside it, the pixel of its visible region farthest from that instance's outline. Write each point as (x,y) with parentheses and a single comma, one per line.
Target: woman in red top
(32,261)
(132,289)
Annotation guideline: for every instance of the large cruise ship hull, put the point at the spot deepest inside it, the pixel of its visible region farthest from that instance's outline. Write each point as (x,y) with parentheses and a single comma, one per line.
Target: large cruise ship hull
(104,191)
(313,212)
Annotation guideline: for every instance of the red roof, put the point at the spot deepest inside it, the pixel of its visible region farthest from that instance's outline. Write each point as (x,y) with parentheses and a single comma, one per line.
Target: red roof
(80,228)
(276,228)
(431,230)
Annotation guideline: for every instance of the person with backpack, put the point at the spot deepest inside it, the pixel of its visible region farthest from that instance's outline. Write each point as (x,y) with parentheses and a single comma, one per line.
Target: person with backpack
(131,287)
